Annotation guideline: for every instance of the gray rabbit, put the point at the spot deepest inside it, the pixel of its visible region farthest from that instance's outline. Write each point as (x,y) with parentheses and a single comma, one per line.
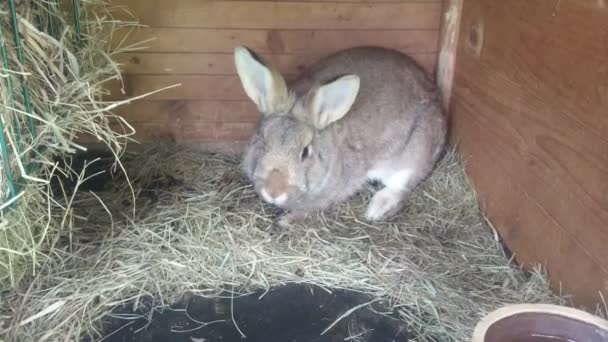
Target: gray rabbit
(365,113)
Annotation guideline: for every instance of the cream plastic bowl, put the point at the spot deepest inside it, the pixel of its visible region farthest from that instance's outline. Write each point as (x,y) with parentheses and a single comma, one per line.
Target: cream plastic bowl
(540,323)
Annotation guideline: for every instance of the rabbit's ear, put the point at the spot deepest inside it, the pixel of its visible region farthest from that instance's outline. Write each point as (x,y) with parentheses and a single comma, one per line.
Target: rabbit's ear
(264,86)
(331,101)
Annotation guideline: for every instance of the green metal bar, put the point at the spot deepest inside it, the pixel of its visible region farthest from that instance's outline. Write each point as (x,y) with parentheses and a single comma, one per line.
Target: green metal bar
(49,14)
(26,93)
(11,90)
(59,14)
(12,186)
(76,14)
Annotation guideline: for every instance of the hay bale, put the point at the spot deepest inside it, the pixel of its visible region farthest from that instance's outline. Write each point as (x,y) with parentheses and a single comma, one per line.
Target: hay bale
(51,90)
(199,229)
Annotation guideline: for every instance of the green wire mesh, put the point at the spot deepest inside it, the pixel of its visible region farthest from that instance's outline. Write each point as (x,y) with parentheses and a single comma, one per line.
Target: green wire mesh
(12,186)
(19,127)
(24,89)
(76,14)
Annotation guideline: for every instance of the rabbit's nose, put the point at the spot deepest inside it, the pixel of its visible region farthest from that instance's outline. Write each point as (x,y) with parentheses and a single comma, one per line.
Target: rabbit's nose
(275,187)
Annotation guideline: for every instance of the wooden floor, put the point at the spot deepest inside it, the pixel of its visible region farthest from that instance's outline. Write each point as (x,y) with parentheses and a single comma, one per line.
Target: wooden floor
(530,115)
(191,42)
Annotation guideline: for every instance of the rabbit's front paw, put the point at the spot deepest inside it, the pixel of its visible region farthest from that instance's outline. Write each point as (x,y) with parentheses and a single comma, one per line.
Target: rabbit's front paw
(287,220)
(384,203)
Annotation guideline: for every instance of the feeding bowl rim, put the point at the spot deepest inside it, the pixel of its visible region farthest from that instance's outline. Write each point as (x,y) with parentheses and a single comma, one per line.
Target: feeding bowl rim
(485,323)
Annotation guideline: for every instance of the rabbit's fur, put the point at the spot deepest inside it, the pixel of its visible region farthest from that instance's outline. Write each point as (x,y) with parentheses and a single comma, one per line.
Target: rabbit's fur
(365,113)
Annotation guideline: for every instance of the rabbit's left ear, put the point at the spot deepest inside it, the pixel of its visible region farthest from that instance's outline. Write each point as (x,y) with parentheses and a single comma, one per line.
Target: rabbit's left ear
(330,102)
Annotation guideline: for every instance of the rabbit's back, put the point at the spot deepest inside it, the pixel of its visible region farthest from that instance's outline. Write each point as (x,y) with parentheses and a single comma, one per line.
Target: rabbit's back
(395,96)
(375,66)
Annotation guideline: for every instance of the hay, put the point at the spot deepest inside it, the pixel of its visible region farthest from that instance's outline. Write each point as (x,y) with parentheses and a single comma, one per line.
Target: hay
(64,70)
(200,229)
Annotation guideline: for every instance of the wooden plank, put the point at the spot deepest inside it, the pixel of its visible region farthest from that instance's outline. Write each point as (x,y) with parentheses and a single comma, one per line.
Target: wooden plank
(515,210)
(143,142)
(535,131)
(193,45)
(188,40)
(169,112)
(580,89)
(452,10)
(192,131)
(285,15)
(142,63)
(193,87)
(203,86)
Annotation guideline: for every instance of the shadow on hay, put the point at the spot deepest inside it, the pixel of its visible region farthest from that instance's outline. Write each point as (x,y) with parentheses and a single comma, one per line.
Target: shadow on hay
(291,313)
(96,171)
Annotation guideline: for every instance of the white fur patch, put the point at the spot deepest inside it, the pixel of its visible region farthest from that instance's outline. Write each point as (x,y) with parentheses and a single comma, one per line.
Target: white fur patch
(376,174)
(281,199)
(394,180)
(383,201)
(278,200)
(399,179)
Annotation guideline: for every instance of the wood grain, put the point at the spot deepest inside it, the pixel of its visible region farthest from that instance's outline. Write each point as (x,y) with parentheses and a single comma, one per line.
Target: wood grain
(193,87)
(285,15)
(207,77)
(529,113)
(191,131)
(196,40)
(190,42)
(168,112)
(452,11)
(143,63)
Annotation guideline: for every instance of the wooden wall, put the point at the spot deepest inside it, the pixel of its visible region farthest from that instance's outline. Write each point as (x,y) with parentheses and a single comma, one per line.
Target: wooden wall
(194,40)
(530,114)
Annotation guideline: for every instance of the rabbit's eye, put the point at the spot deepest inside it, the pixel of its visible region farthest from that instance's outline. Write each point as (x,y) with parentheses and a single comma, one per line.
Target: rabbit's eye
(305,152)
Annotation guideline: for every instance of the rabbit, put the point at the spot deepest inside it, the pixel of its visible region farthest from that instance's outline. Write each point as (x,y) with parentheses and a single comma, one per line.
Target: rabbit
(362,114)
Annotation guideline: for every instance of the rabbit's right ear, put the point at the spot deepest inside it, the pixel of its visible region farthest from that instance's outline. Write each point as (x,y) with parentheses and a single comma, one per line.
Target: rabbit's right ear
(264,86)
(332,101)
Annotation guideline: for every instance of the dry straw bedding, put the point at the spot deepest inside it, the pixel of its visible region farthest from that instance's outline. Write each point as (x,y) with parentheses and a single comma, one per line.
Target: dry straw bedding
(200,229)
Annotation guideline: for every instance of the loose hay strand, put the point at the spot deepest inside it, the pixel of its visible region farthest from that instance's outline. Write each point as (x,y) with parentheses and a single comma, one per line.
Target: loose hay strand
(348,313)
